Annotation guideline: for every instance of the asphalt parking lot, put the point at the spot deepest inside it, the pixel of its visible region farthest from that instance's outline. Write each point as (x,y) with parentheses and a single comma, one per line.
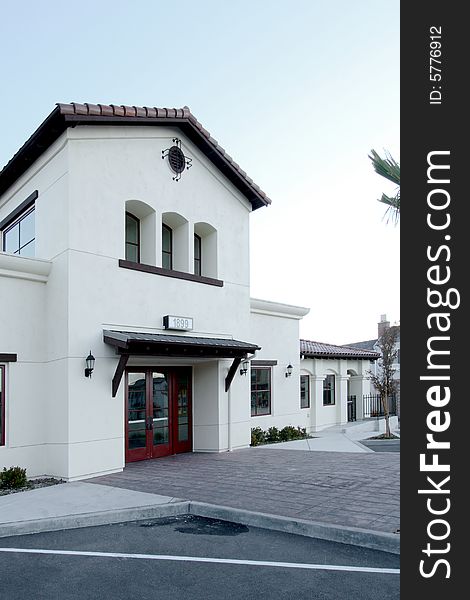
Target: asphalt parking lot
(382,445)
(190,557)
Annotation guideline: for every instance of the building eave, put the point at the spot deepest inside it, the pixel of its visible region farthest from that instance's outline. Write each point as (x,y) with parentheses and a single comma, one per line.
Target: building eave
(277,309)
(72,115)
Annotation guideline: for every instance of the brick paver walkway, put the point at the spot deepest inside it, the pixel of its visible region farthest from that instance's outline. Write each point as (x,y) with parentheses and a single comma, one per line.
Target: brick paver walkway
(354,489)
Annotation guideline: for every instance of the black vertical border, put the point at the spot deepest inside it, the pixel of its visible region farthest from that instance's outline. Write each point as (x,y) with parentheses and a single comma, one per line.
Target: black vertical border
(426,128)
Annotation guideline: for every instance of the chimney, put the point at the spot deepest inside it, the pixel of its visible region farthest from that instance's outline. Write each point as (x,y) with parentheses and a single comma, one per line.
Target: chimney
(383,325)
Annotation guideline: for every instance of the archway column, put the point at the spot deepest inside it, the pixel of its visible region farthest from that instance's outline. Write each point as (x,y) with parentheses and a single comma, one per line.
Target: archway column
(316,399)
(342,397)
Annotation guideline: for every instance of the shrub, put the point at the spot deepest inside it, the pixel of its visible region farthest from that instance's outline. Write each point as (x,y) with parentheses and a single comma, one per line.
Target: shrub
(288,433)
(258,436)
(13,478)
(273,435)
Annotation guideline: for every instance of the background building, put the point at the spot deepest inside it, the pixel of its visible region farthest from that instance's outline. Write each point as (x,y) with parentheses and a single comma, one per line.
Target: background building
(372,345)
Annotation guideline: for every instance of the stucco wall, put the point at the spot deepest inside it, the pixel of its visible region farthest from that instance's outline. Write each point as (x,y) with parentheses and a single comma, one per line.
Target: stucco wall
(275,328)
(22,332)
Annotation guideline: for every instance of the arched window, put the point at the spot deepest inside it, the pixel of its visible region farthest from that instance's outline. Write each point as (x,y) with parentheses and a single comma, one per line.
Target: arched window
(329,395)
(197,254)
(175,242)
(132,238)
(140,233)
(167,247)
(304,391)
(205,250)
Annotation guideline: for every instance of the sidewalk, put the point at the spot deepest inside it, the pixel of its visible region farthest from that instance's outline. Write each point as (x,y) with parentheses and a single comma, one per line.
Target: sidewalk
(350,496)
(79,504)
(339,438)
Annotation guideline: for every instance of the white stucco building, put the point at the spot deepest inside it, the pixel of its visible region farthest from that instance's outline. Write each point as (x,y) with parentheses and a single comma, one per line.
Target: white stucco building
(125,235)
(334,375)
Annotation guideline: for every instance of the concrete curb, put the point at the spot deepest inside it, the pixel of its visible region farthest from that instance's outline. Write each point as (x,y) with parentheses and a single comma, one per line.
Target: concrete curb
(360,445)
(366,538)
(106,517)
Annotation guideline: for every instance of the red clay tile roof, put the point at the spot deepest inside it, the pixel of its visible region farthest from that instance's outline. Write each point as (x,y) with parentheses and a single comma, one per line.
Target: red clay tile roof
(311,349)
(66,115)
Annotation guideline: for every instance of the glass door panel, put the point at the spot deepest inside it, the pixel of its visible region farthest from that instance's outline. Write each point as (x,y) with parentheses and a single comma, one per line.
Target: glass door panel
(136,411)
(182,411)
(160,411)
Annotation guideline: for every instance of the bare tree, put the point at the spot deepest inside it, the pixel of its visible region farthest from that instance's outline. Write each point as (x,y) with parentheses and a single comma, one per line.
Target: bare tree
(383,380)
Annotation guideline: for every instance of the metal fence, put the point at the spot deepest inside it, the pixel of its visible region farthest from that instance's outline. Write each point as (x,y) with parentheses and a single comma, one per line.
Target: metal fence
(372,406)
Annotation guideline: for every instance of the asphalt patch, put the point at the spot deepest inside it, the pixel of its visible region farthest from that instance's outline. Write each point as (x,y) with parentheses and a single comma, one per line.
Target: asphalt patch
(195,525)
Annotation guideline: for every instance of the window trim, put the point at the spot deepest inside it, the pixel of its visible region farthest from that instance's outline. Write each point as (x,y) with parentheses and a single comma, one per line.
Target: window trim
(198,241)
(19,210)
(333,390)
(270,392)
(13,222)
(170,252)
(308,390)
(2,404)
(132,216)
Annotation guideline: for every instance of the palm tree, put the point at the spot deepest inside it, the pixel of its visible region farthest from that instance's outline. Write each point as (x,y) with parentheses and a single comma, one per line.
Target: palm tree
(389,168)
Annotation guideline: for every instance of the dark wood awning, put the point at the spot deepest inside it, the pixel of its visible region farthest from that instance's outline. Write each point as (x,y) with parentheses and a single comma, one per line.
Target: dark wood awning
(128,343)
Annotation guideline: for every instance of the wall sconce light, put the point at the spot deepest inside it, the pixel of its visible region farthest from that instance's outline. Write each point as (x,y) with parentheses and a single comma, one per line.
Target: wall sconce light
(90,364)
(245,365)
(289,370)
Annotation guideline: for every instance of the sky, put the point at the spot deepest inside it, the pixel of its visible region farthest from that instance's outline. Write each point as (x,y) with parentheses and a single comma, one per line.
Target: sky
(297,93)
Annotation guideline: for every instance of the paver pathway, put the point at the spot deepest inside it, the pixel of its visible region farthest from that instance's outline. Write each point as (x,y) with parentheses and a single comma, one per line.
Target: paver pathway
(352,489)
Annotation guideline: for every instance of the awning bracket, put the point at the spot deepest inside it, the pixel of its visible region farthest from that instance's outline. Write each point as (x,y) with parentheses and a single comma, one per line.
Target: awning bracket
(119,372)
(231,373)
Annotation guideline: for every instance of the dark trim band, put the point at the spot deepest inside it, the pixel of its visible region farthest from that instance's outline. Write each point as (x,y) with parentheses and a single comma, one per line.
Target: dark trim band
(8,357)
(263,363)
(126,264)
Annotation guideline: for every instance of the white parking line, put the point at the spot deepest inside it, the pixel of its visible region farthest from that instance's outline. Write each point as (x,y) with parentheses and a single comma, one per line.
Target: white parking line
(229,561)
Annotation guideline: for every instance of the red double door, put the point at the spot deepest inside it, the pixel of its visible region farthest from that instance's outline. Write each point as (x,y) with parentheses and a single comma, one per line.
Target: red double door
(158,412)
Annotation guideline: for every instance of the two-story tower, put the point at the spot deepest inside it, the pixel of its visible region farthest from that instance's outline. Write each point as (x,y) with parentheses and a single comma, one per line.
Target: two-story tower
(125,235)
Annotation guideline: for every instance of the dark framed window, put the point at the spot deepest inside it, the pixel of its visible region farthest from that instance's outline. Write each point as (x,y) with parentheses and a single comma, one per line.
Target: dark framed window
(197,254)
(19,237)
(329,390)
(167,247)
(260,391)
(304,391)
(132,238)
(2,405)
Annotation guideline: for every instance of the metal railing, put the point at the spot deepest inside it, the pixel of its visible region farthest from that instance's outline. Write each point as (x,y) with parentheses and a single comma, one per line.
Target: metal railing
(372,406)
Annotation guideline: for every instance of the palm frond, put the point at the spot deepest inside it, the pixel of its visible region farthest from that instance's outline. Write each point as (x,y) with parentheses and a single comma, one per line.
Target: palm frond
(386,167)
(389,169)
